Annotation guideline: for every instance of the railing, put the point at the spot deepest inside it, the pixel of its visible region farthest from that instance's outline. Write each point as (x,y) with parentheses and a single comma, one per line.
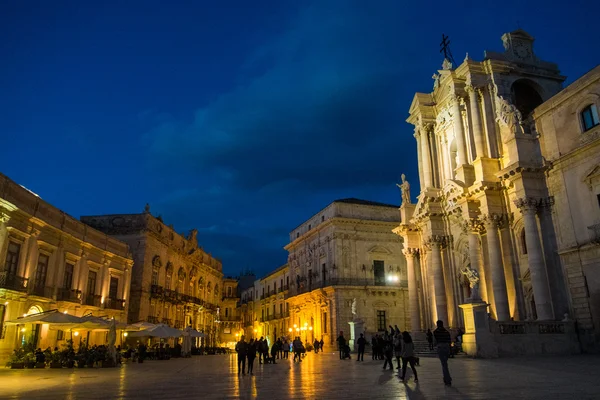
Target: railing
(92,300)
(114,304)
(13,282)
(70,295)
(42,291)
(531,327)
(156,291)
(271,317)
(230,318)
(178,324)
(306,286)
(167,321)
(511,328)
(283,288)
(152,319)
(551,328)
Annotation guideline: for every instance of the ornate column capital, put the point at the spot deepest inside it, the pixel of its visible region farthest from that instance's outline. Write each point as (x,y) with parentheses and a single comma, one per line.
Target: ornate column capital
(436,241)
(410,252)
(472,225)
(527,204)
(494,221)
(470,89)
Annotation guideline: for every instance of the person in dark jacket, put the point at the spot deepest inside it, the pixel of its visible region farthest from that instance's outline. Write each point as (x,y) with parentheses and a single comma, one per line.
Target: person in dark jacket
(242,350)
(443,340)
(388,351)
(273,353)
(362,342)
(251,355)
(341,340)
(430,338)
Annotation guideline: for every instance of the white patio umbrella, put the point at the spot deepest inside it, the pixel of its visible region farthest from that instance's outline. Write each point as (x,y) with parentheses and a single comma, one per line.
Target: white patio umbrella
(160,331)
(112,338)
(140,326)
(186,346)
(195,333)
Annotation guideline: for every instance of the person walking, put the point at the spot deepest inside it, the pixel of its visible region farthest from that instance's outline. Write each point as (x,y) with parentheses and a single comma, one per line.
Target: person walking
(273,353)
(443,340)
(374,347)
(408,355)
(321,343)
(398,348)
(241,349)
(430,338)
(251,355)
(286,348)
(297,345)
(388,351)
(341,341)
(362,342)
(259,348)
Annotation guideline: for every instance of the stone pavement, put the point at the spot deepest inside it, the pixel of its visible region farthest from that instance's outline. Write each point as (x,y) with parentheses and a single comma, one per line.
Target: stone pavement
(320,376)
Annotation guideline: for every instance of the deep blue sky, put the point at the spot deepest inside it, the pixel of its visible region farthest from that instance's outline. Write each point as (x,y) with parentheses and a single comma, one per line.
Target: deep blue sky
(239,118)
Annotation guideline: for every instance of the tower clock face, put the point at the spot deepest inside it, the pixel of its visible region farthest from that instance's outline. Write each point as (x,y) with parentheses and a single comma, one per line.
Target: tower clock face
(522,50)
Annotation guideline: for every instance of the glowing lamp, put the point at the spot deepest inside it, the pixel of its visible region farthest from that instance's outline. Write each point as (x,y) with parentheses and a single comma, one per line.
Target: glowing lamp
(76,333)
(310,328)
(125,334)
(65,312)
(290,329)
(23,329)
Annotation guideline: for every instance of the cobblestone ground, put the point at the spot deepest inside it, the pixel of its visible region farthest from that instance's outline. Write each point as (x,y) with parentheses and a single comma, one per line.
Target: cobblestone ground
(320,376)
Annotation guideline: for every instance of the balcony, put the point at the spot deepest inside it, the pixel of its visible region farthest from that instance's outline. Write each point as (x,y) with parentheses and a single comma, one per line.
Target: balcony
(70,295)
(230,318)
(156,291)
(92,300)
(13,282)
(178,324)
(114,304)
(42,291)
(152,319)
(167,321)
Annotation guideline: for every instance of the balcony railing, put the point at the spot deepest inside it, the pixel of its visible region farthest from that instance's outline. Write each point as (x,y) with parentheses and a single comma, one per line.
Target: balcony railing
(167,321)
(152,319)
(13,282)
(271,317)
(306,286)
(42,291)
(92,300)
(70,295)
(178,324)
(230,318)
(114,304)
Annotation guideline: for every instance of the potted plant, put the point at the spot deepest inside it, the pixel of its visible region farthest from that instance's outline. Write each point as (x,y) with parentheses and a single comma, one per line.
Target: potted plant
(15,360)
(29,360)
(67,355)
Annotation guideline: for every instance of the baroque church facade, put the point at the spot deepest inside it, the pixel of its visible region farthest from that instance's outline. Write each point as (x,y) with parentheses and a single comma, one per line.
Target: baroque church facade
(486,223)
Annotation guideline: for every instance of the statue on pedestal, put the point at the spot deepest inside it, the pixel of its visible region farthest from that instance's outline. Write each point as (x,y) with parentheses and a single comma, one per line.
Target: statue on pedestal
(404,190)
(354,308)
(473,277)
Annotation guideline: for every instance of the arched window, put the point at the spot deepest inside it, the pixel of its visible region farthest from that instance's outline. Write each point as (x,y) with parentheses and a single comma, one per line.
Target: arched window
(589,117)
(525,96)
(154,276)
(523,242)
(168,276)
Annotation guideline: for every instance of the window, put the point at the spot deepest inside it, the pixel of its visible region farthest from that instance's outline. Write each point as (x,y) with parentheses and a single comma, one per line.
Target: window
(2,315)
(598,197)
(274,286)
(168,280)
(322,218)
(227,312)
(523,242)
(60,335)
(323,271)
(309,227)
(589,117)
(68,277)
(297,235)
(113,288)
(229,291)
(310,276)
(381,325)
(91,283)
(41,270)
(287,281)
(324,322)
(379,272)
(281,285)
(154,280)
(274,312)
(280,309)
(12,258)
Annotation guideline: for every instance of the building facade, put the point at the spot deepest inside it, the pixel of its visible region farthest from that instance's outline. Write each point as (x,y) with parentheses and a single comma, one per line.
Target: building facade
(51,261)
(569,131)
(486,223)
(230,314)
(174,281)
(346,254)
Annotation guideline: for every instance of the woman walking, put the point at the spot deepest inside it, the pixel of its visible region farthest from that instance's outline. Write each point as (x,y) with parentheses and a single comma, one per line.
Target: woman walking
(388,351)
(398,349)
(408,355)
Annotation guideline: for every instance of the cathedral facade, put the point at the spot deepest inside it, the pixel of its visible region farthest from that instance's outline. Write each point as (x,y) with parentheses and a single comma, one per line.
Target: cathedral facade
(486,221)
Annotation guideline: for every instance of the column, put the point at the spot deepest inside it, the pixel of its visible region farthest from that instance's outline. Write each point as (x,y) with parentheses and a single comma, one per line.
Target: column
(459,131)
(4,218)
(435,243)
(492,223)
(419,157)
(413,295)
(426,157)
(476,121)
(474,227)
(537,268)
(126,283)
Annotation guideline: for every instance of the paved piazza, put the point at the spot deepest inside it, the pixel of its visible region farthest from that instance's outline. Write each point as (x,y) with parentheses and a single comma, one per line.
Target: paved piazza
(321,376)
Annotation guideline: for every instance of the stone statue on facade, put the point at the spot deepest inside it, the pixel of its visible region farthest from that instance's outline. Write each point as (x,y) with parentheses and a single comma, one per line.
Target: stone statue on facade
(404,190)
(509,115)
(473,277)
(147,208)
(354,308)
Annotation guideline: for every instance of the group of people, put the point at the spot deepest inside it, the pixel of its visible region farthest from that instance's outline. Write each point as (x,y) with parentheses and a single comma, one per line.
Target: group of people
(394,343)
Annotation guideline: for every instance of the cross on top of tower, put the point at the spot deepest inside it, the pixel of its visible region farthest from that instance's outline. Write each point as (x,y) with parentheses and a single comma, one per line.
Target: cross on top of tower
(445,48)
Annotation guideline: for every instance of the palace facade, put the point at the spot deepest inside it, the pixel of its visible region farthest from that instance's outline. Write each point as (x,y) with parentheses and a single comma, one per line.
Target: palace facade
(174,281)
(507,212)
(52,261)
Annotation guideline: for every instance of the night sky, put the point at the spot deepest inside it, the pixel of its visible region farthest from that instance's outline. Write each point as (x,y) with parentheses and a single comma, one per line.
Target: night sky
(240,118)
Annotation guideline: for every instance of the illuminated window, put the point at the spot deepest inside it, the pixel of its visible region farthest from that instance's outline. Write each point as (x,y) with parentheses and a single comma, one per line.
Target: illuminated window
(41,270)
(68,277)
(12,258)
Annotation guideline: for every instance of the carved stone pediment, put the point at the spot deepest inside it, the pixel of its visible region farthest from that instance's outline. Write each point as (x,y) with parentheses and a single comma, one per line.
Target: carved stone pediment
(379,249)
(593,175)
